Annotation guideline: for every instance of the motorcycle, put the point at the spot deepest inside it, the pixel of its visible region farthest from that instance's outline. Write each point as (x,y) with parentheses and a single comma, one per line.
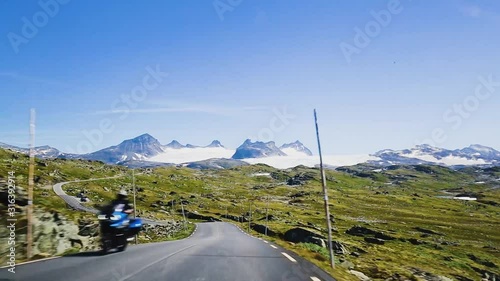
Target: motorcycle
(117,229)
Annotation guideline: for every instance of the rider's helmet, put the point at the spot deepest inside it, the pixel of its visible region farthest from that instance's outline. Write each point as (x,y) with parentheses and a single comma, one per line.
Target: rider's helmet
(122,194)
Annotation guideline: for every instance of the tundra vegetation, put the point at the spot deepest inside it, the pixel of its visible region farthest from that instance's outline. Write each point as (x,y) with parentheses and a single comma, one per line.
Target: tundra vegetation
(395,223)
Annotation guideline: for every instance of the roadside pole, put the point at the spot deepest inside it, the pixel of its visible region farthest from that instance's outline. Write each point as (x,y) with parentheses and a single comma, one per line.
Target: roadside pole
(267,214)
(183,214)
(31,183)
(325,193)
(135,207)
(250,216)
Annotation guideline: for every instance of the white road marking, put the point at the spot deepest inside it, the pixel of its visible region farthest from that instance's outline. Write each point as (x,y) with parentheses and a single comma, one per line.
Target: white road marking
(274,247)
(28,262)
(265,241)
(288,257)
(315,278)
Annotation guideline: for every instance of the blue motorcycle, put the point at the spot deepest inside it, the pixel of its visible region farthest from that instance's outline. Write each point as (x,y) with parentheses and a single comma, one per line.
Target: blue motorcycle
(117,229)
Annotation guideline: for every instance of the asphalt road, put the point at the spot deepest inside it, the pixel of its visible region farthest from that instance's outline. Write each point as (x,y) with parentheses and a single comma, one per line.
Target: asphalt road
(215,252)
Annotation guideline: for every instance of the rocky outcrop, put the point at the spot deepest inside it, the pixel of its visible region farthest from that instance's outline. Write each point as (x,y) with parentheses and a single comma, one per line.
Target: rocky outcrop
(360,231)
(361,276)
(262,229)
(196,216)
(168,229)
(369,235)
(54,235)
(234,218)
(300,235)
(300,179)
(427,231)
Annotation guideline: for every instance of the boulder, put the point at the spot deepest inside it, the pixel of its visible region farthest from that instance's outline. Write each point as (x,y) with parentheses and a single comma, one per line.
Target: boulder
(231,217)
(416,241)
(195,216)
(381,235)
(316,240)
(339,248)
(300,235)
(91,230)
(361,276)
(427,231)
(269,218)
(262,229)
(358,230)
(347,264)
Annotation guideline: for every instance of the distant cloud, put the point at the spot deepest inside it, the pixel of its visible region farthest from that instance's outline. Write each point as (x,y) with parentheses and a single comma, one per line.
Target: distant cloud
(208,109)
(472,11)
(23,78)
(159,110)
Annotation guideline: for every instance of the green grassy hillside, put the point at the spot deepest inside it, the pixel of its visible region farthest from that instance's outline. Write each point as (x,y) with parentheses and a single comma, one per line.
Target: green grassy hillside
(423,234)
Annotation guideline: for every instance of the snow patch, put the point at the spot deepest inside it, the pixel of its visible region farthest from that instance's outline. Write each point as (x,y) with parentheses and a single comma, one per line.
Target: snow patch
(285,162)
(448,160)
(261,175)
(184,155)
(294,152)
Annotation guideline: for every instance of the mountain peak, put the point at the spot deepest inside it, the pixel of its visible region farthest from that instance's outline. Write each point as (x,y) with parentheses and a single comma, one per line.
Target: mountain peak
(174,144)
(215,143)
(145,138)
(480,147)
(257,149)
(138,148)
(296,147)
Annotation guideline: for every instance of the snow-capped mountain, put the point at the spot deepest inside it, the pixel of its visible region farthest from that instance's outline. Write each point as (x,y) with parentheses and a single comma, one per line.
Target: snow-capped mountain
(426,154)
(40,151)
(257,149)
(215,143)
(478,151)
(145,150)
(175,145)
(139,148)
(295,148)
(175,152)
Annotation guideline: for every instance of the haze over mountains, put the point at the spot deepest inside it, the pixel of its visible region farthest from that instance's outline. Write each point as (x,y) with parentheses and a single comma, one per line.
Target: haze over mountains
(145,150)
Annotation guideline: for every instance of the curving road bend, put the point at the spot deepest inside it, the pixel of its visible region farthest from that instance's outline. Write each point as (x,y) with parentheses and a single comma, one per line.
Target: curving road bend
(74,203)
(215,252)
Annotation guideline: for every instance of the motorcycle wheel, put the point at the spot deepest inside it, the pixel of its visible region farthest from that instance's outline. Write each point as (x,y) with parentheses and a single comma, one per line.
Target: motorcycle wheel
(122,247)
(105,248)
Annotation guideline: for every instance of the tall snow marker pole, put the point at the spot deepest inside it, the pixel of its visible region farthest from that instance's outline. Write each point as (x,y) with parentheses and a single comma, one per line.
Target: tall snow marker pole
(325,193)
(267,214)
(134,190)
(31,183)
(183,214)
(250,216)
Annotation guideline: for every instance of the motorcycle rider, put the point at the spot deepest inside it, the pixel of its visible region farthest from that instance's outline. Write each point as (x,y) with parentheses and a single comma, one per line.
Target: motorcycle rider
(120,202)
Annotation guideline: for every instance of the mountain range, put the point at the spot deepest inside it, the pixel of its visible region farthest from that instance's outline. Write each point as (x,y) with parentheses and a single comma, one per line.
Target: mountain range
(145,150)
(425,154)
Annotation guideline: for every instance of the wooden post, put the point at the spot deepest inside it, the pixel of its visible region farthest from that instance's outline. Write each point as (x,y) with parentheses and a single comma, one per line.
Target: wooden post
(267,214)
(325,193)
(135,207)
(31,183)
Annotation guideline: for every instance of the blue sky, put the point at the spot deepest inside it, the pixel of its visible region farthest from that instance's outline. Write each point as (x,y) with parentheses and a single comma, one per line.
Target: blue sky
(231,68)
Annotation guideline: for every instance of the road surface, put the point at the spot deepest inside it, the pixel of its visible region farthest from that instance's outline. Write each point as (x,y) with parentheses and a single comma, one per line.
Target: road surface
(215,252)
